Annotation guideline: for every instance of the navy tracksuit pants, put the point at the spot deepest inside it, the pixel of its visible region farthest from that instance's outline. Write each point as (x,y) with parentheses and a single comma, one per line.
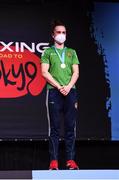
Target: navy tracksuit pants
(58,103)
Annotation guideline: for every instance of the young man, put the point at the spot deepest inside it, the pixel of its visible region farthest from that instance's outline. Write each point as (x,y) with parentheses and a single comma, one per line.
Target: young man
(60,69)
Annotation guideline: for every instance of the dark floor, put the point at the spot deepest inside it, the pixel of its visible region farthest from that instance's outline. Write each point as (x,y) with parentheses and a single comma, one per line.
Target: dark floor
(29,155)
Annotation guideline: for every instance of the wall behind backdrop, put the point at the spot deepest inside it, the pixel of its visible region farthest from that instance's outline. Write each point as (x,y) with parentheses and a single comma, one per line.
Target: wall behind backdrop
(24,34)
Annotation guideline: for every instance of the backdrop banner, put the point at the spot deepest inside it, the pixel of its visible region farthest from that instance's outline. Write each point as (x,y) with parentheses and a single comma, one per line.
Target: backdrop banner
(24,35)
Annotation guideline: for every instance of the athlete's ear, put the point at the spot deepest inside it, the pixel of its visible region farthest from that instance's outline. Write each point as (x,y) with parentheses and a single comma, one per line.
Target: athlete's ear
(53,36)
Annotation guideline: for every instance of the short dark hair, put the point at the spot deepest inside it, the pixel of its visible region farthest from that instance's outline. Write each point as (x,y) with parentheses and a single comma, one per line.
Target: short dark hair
(55,23)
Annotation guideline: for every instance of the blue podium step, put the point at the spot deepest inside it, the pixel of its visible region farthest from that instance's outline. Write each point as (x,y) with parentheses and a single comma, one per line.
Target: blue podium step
(75,174)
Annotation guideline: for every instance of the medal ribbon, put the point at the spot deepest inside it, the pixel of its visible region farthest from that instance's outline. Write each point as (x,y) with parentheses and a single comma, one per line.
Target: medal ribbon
(62,56)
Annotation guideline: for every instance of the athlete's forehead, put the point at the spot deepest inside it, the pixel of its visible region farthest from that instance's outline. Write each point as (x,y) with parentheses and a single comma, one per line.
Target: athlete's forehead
(60,28)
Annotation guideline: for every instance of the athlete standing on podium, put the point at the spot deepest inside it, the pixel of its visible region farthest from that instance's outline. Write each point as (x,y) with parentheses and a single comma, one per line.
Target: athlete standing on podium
(60,67)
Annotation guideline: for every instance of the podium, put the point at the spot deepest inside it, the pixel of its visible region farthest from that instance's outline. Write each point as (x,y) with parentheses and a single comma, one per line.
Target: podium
(60,175)
(75,175)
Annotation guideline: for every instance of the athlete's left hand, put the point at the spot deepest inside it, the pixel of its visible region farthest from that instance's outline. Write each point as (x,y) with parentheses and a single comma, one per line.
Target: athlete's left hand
(66,90)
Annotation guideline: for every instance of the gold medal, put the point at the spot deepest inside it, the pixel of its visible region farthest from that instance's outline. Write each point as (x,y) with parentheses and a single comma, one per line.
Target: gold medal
(63,65)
